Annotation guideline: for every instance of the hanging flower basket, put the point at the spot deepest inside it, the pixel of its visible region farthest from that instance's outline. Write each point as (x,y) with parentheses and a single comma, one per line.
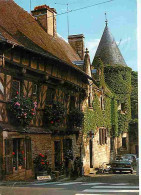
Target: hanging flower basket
(54,114)
(75,118)
(21,110)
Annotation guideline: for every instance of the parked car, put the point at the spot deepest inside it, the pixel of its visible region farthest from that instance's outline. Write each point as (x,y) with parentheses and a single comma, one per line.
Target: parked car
(121,166)
(130,157)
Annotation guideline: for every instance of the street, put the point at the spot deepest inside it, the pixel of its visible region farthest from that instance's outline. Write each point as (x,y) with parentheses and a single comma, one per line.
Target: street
(110,184)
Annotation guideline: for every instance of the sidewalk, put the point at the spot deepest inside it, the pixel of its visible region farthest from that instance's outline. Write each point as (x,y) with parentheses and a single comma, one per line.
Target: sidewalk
(113,178)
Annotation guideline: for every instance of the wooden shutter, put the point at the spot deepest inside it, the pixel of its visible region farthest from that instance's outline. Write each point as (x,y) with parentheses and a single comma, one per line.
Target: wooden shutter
(8,156)
(100,136)
(105,136)
(28,153)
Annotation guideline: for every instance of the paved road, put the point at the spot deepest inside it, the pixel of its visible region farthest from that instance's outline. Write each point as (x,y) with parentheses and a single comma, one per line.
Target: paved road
(72,188)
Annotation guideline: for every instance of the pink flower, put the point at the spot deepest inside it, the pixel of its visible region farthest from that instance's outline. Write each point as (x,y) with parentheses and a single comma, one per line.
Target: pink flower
(17,92)
(35,104)
(17,104)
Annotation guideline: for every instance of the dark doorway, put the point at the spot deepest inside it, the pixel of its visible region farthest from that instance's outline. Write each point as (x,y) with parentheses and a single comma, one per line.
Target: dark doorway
(57,157)
(124,142)
(91,153)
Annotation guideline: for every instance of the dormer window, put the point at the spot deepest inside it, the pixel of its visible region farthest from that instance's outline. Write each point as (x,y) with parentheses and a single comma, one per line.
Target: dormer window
(122,108)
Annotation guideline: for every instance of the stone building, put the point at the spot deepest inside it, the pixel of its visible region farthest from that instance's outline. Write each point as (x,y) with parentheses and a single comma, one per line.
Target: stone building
(106,129)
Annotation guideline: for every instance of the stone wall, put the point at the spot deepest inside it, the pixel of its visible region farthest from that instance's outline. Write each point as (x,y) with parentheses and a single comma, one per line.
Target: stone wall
(100,154)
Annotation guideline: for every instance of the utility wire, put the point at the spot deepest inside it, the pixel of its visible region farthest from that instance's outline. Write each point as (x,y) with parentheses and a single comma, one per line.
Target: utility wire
(83,8)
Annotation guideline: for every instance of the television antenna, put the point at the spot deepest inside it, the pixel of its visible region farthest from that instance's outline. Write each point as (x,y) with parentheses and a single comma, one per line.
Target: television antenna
(67,14)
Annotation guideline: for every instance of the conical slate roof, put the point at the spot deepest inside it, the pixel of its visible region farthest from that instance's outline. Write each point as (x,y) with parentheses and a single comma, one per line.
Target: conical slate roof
(108,50)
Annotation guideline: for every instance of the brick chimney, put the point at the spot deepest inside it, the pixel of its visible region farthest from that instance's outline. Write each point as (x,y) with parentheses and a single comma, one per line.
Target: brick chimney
(46,17)
(77,43)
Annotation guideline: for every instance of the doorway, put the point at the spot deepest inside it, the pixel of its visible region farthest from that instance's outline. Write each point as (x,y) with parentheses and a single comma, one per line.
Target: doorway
(57,157)
(91,153)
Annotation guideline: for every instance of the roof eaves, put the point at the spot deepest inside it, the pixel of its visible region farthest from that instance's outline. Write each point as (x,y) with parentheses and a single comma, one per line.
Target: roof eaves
(49,56)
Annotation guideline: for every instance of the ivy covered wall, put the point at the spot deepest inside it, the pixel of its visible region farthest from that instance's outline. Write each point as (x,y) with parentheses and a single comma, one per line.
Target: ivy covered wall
(133,126)
(118,79)
(116,83)
(98,117)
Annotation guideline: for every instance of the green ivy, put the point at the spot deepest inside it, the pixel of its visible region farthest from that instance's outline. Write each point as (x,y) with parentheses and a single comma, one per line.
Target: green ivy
(118,80)
(97,117)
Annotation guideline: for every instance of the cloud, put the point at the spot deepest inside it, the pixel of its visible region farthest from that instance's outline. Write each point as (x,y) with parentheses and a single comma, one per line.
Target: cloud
(123,42)
(92,47)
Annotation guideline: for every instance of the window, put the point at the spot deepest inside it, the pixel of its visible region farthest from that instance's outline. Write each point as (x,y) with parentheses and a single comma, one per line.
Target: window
(124,142)
(123,107)
(111,143)
(50,95)
(35,89)
(15,88)
(90,100)
(72,103)
(101,103)
(102,136)
(18,154)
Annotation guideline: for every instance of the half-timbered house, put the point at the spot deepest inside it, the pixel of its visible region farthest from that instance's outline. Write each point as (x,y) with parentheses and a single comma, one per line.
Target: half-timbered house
(36,63)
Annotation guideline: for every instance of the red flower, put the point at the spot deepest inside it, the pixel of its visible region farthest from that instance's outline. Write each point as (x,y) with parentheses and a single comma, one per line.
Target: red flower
(40,154)
(22,152)
(47,163)
(24,158)
(42,160)
(13,153)
(17,92)
(43,156)
(42,163)
(51,122)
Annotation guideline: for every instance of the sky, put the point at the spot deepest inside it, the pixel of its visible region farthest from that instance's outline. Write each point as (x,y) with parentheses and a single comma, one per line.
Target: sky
(121,16)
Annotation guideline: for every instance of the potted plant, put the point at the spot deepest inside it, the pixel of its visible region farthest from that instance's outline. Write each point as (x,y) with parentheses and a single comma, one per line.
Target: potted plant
(41,165)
